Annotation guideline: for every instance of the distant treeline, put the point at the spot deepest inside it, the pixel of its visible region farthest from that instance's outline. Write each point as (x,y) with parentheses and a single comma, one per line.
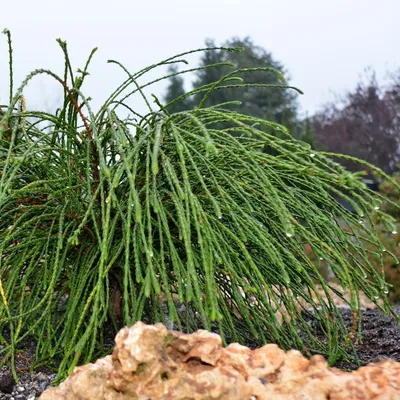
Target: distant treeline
(363,123)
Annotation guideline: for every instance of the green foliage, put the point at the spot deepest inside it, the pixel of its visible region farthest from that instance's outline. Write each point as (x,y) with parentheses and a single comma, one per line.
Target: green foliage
(385,262)
(390,239)
(387,230)
(392,192)
(168,211)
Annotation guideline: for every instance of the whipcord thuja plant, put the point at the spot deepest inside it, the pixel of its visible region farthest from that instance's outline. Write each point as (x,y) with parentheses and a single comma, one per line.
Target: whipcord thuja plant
(106,221)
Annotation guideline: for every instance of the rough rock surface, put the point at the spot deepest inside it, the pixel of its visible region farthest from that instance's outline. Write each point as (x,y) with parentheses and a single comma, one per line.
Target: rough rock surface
(150,362)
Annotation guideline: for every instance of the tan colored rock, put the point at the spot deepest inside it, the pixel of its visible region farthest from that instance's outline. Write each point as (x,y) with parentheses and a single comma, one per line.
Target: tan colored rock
(365,302)
(150,362)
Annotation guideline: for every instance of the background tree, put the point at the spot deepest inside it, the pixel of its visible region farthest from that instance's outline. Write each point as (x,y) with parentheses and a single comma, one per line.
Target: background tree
(304,131)
(273,104)
(176,88)
(365,124)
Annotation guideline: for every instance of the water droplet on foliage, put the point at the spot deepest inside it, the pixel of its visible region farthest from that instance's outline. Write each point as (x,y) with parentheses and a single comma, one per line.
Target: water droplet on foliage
(151,254)
(312,154)
(394,232)
(376,297)
(386,291)
(376,208)
(288,234)
(220,216)
(321,258)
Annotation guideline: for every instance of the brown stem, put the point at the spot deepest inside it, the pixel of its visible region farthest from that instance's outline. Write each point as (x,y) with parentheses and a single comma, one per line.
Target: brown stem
(95,162)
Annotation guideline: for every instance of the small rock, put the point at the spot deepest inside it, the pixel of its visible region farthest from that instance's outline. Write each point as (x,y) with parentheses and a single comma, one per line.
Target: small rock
(42,380)
(6,382)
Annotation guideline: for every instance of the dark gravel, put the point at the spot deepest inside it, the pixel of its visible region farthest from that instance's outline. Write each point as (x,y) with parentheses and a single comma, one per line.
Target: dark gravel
(381,340)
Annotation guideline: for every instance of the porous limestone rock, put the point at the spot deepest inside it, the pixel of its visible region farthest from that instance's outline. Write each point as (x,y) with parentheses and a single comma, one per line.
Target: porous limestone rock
(150,362)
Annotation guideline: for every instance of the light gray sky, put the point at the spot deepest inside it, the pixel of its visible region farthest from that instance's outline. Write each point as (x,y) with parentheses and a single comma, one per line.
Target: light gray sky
(325,44)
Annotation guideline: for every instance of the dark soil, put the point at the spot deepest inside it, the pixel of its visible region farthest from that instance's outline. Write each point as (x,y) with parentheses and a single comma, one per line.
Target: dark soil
(381,340)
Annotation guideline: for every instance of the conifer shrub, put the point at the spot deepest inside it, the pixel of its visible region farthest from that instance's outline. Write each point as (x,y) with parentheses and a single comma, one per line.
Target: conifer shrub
(107,220)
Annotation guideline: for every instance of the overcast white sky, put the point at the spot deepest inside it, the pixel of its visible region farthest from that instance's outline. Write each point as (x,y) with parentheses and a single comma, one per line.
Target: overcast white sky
(325,44)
